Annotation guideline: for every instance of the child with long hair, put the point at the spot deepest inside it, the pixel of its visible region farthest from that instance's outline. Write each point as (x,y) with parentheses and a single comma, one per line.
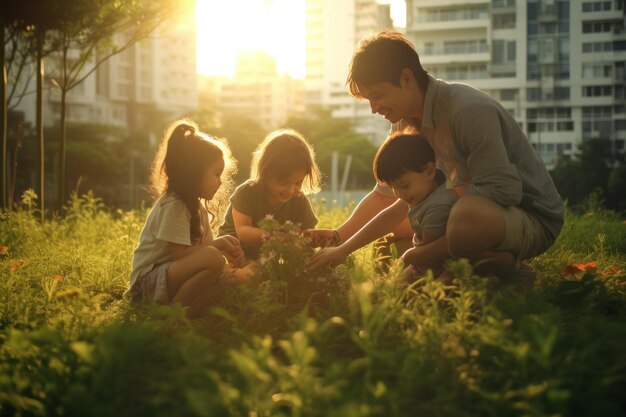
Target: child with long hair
(177,259)
(283,171)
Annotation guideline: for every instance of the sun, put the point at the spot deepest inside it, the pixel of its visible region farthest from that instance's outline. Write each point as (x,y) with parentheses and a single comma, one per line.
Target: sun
(274,26)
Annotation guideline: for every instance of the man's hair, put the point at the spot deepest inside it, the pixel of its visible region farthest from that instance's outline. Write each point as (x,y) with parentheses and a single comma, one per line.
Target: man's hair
(381,58)
(400,153)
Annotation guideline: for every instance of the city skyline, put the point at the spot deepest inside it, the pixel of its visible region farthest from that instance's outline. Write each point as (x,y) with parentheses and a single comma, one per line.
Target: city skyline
(268,21)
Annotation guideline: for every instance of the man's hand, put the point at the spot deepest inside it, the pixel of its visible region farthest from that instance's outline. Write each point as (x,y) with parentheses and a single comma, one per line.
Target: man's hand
(231,248)
(320,237)
(328,256)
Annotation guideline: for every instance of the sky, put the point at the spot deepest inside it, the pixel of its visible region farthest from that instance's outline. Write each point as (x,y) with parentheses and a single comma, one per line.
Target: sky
(275,26)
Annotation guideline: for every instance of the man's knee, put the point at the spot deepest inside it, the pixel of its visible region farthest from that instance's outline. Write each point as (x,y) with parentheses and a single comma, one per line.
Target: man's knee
(475,224)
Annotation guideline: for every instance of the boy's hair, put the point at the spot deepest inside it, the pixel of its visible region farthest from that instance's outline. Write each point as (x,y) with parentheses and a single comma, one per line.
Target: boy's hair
(183,157)
(282,153)
(381,58)
(400,153)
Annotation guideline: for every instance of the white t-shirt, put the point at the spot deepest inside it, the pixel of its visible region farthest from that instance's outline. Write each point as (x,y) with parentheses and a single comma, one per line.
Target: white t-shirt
(168,222)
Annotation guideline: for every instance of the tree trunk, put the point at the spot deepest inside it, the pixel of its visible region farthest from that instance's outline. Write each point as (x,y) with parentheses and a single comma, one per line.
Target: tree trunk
(61,176)
(3,118)
(39,120)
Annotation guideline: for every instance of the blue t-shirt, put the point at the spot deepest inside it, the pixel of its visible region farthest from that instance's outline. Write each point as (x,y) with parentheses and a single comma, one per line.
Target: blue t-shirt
(431,215)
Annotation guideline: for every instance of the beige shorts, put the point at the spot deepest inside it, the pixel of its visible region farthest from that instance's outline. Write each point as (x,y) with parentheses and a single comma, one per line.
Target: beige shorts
(525,236)
(151,286)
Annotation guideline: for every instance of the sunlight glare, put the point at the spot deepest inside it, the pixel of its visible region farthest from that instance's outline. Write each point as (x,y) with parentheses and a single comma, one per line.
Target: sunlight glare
(274,26)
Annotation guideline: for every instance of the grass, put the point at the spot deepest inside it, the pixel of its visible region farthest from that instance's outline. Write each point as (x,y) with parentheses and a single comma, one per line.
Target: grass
(70,345)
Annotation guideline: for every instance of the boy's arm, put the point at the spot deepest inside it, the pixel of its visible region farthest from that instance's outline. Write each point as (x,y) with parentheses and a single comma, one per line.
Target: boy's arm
(380,225)
(431,254)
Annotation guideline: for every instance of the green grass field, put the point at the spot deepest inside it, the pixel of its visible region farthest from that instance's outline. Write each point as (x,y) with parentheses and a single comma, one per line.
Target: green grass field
(351,343)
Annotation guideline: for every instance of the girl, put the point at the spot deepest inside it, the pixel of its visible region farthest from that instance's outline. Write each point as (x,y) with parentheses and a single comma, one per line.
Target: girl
(177,259)
(283,170)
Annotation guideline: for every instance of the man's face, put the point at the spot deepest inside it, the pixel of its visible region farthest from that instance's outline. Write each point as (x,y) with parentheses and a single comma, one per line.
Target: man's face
(387,100)
(394,102)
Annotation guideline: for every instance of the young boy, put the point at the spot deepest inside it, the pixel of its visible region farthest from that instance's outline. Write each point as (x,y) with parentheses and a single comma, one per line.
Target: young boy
(406,163)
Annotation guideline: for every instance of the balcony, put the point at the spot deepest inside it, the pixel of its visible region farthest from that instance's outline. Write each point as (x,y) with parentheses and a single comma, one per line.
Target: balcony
(423,4)
(462,21)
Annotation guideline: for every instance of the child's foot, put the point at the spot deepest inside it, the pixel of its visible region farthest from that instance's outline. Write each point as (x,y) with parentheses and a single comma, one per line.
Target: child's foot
(252,272)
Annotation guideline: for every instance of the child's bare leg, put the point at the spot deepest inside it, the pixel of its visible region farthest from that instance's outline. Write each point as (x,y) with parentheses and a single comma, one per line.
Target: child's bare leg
(192,280)
(199,292)
(251,270)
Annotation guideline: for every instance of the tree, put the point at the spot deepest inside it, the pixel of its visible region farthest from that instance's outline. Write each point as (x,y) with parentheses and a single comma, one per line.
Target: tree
(328,134)
(576,178)
(90,32)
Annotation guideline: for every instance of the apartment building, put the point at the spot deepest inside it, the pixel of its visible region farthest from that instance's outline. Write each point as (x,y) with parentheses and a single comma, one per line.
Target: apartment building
(156,76)
(556,65)
(332,32)
(257,91)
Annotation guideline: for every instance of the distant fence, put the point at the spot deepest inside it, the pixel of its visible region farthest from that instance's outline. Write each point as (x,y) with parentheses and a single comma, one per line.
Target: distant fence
(341,200)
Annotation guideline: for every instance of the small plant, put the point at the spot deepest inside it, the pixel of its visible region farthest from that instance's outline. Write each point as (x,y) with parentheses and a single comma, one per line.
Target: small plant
(283,257)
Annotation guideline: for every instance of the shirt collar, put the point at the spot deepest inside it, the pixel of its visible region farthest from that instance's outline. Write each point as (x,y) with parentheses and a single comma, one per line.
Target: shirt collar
(429,102)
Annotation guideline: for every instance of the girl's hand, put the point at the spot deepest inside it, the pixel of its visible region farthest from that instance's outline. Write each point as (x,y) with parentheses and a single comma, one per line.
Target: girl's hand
(231,248)
(321,237)
(328,256)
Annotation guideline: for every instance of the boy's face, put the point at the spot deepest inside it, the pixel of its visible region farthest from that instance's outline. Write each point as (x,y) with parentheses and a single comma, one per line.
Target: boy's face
(413,187)
(392,102)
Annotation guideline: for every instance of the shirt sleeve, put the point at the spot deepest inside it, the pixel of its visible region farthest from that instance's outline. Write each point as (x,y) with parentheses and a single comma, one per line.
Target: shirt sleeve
(242,199)
(308,219)
(435,220)
(174,223)
(479,133)
(384,189)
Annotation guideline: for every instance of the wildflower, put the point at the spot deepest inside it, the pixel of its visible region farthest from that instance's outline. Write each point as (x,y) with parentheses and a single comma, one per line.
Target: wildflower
(14,266)
(269,217)
(574,268)
(57,278)
(4,250)
(288,223)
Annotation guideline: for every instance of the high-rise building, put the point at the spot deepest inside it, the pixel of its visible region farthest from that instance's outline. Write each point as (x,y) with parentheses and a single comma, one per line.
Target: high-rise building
(333,28)
(556,65)
(257,91)
(156,75)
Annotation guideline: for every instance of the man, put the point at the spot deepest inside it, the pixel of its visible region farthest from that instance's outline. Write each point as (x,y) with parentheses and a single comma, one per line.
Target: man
(507,207)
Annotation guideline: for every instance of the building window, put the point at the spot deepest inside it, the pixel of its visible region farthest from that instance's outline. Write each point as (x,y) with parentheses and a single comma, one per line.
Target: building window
(603,27)
(597,91)
(596,6)
(597,70)
(503,52)
(504,21)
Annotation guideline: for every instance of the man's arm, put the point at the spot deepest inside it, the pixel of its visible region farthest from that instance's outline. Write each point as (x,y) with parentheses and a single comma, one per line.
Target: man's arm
(366,210)
(379,226)
(478,129)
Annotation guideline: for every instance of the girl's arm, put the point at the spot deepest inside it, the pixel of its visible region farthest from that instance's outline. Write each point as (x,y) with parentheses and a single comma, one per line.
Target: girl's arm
(246,232)
(179,251)
(379,226)
(228,245)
